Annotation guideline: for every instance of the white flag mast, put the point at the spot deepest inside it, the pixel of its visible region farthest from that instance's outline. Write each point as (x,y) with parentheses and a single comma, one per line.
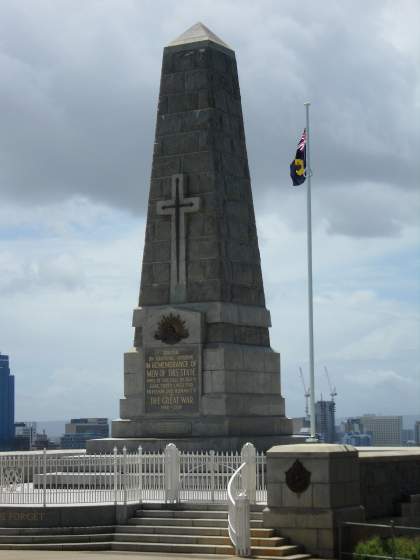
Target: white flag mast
(312,437)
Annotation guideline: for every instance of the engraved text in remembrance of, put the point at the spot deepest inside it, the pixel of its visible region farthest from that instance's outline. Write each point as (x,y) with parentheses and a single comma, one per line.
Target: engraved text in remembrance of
(171,380)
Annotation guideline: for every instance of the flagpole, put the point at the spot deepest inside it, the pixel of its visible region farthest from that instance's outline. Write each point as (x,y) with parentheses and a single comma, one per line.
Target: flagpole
(312,437)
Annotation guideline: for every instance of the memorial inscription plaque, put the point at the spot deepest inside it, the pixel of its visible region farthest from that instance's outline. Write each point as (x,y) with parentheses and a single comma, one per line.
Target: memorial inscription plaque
(172,380)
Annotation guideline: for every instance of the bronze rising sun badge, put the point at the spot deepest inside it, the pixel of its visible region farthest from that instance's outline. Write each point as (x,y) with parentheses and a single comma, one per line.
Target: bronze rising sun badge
(171,329)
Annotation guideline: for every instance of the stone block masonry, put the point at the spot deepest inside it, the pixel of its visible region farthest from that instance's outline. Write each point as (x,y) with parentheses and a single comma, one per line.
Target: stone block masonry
(388,478)
(200,133)
(312,489)
(201,366)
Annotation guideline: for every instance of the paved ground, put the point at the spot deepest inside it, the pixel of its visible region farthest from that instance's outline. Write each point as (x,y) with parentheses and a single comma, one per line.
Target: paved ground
(105,555)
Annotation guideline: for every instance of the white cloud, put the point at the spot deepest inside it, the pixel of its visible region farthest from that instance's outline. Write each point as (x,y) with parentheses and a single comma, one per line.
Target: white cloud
(81,85)
(397,336)
(366,314)
(374,378)
(66,303)
(78,103)
(68,322)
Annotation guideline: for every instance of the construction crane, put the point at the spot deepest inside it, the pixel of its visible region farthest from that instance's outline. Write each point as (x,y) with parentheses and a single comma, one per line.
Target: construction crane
(333,390)
(306,392)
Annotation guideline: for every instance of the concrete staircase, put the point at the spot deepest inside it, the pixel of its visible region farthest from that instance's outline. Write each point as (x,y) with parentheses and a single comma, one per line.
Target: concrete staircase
(57,538)
(199,529)
(182,528)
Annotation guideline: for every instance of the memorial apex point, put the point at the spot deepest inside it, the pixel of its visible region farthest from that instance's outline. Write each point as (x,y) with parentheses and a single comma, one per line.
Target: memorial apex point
(196,33)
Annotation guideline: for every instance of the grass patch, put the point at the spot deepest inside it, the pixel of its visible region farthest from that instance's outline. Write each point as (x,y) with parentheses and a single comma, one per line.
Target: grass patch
(400,548)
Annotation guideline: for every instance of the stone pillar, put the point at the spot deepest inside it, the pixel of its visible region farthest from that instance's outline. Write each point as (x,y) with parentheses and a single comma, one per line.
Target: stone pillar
(311,489)
(202,373)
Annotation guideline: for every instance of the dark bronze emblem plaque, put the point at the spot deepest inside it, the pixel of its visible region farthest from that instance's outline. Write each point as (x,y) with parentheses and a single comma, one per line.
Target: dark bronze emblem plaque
(171,329)
(298,478)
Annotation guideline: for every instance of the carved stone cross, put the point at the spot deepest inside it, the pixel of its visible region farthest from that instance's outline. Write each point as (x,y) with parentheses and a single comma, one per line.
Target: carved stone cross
(177,207)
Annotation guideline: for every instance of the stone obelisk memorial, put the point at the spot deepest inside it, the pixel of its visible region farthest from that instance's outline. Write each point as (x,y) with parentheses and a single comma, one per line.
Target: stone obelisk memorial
(201,373)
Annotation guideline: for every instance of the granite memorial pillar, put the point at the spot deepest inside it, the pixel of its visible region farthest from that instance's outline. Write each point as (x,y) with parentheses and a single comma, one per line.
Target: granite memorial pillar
(201,372)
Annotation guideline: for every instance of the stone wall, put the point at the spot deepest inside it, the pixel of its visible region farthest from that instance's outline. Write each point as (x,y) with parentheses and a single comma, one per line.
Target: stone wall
(388,478)
(65,516)
(311,490)
(343,484)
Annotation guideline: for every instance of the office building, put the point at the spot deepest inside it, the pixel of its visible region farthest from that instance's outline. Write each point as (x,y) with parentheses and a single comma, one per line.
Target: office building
(7,403)
(385,430)
(80,430)
(357,439)
(42,441)
(25,433)
(407,436)
(417,432)
(325,420)
(353,424)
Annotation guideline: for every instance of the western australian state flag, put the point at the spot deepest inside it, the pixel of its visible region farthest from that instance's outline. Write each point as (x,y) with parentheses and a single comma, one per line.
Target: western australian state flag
(298,165)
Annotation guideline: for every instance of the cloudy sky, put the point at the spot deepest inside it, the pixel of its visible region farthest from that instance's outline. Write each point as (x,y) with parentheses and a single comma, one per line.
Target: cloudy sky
(78,99)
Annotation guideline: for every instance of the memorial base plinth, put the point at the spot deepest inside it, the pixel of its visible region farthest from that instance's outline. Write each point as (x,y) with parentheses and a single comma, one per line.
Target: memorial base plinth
(232,443)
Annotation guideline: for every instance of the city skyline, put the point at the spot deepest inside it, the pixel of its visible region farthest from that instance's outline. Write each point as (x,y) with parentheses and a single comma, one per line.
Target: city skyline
(77,143)
(55,429)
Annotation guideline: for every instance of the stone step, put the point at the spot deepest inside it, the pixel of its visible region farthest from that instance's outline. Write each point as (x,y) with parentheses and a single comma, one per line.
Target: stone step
(275,551)
(165,538)
(59,546)
(170,529)
(283,552)
(187,522)
(187,513)
(49,538)
(194,539)
(287,557)
(183,506)
(171,547)
(263,553)
(190,506)
(184,514)
(56,530)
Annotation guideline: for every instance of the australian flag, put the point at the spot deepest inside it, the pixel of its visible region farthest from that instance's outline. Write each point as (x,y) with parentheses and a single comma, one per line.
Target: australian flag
(298,165)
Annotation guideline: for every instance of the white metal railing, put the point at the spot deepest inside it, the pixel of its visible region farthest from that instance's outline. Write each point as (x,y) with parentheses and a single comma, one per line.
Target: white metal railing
(242,492)
(56,479)
(239,513)
(171,476)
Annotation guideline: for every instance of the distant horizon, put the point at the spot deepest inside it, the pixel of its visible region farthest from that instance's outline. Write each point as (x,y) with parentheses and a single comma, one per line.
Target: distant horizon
(407,419)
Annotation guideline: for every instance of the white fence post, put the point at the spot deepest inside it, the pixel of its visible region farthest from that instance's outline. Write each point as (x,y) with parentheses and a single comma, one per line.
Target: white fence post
(239,513)
(140,473)
(115,475)
(172,473)
(44,477)
(212,478)
(248,456)
(243,547)
(124,475)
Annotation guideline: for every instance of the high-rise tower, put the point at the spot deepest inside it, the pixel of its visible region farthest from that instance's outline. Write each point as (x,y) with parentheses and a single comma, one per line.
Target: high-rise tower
(7,402)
